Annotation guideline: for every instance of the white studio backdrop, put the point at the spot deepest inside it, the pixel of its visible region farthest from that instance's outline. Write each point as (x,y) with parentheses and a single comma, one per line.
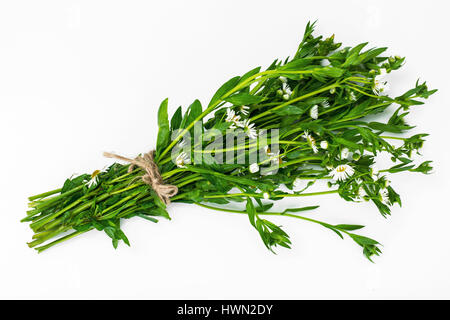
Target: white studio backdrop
(81,77)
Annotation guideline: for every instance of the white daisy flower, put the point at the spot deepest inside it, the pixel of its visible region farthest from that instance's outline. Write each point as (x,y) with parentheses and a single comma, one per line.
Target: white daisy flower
(244,110)
(384,196)
(326,104)
(311,141)
(345,153)
(249,129)
(232,117)
(182,159)
(266,196)
(254,168)
(324,144)
(380,85)
(342,172)
(181,144)
(94,179)
(314,112)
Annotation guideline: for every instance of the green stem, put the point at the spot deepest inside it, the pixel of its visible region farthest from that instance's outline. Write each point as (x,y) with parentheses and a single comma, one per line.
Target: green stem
(260,195)
(65,238)
(44,195)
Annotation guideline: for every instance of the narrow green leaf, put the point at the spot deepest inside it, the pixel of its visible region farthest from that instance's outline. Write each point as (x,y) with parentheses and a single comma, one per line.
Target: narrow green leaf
(349,227)
(223,90)
(163,124)
(177,117)
(243,98)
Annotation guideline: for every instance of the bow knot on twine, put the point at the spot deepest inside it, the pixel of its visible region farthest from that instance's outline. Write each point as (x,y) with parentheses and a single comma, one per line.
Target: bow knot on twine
(152,177)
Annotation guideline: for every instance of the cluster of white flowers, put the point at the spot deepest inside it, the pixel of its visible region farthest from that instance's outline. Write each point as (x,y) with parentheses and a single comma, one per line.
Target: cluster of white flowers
(233,118)
(285,91)
(275,158)
(236,122)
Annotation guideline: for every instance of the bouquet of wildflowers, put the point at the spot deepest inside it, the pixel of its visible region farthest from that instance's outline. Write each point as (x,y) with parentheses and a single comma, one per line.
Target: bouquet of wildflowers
(264,136)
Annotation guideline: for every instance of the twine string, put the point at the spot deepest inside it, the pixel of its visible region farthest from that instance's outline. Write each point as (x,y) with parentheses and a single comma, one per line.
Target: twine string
(152,176)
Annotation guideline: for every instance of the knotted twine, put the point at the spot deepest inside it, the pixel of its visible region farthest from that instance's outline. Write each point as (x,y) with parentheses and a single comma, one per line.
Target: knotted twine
(152,177)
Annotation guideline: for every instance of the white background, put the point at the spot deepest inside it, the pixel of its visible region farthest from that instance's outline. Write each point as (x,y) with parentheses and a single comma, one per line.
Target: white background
(81,77)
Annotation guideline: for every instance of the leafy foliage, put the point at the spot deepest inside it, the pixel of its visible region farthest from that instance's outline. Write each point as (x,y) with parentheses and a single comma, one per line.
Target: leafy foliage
(323,101)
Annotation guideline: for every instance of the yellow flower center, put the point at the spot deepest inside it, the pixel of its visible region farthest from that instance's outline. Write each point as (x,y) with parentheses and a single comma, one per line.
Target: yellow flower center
(95,173)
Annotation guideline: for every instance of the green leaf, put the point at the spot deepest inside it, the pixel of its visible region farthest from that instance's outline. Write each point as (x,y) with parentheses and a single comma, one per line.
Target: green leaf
(146,217)
(83,227)
(163,124)
(110,231)
(384,127)
(290,110)
(195,110)
(177,117)
(358,109)
(300,209)
(249,74)
(347,143)
(328,71)
(115,242)
(121,235)
(353,55)
(296,64)
(70,184)
(251,211)
(349,227)
(371,53)
(243,98)
(223,90)
(363,241)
